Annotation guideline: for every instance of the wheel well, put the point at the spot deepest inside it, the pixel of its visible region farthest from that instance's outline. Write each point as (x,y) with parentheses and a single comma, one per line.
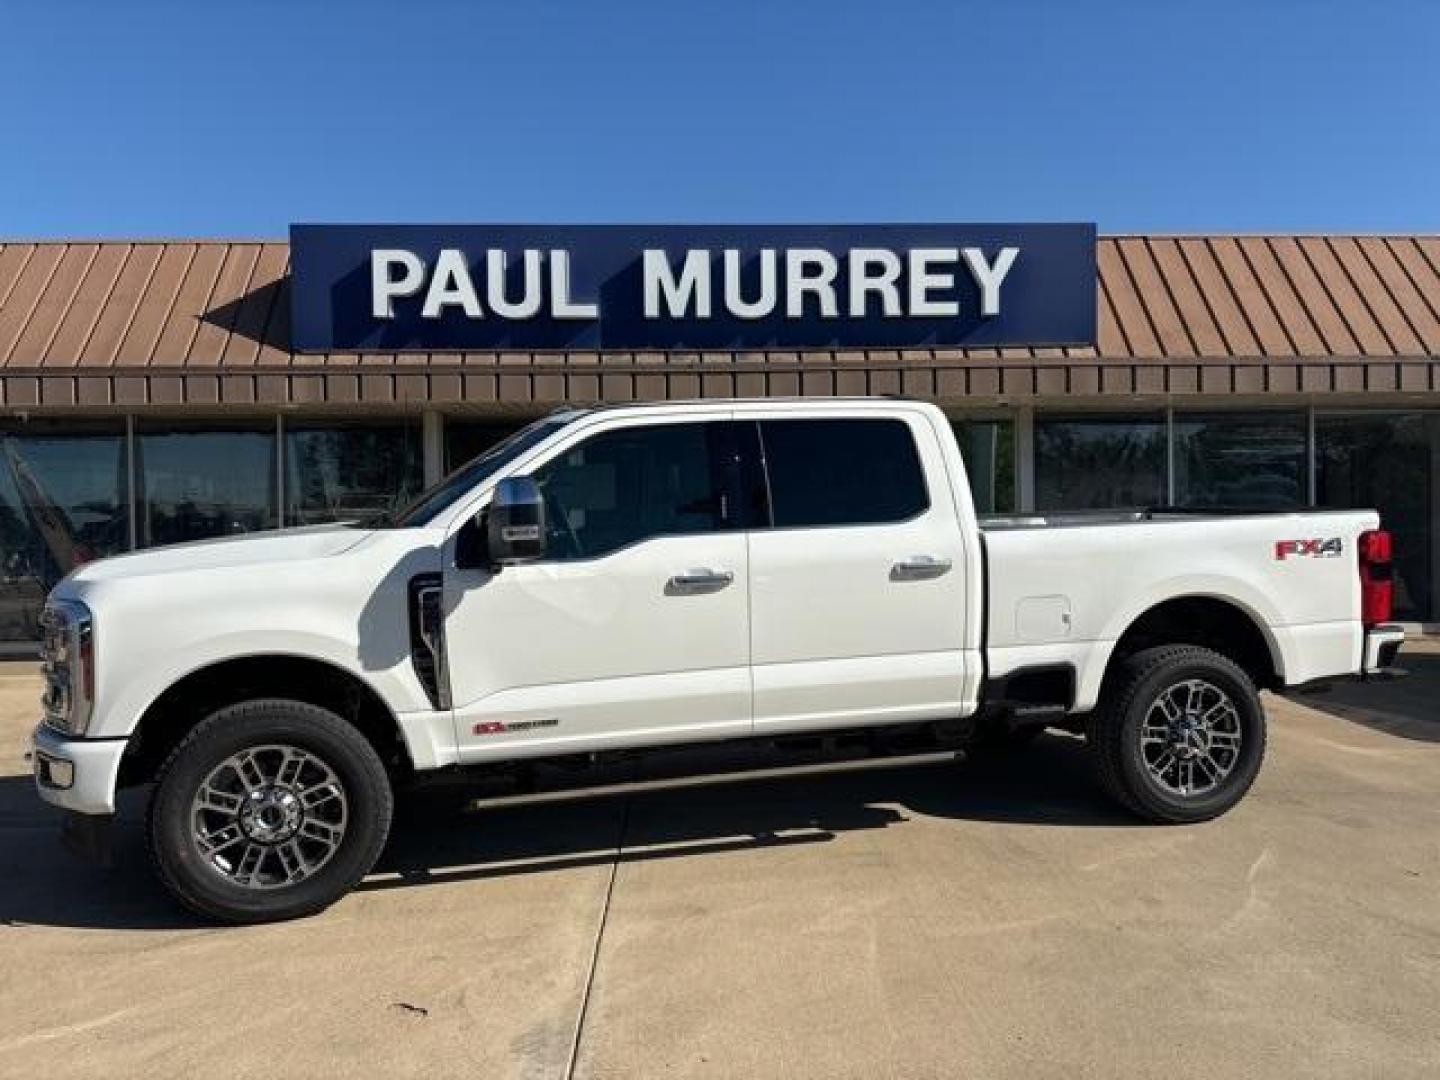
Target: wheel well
(197,695)
(1206,621)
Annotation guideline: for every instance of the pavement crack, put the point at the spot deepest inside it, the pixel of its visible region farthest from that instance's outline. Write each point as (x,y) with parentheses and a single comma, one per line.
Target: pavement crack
(599,939)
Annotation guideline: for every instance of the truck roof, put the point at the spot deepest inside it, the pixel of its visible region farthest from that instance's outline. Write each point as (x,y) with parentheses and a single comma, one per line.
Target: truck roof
(731,402)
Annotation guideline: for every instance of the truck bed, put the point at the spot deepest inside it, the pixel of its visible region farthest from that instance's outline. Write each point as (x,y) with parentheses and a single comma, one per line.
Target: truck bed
(1063,587)
(1055,519)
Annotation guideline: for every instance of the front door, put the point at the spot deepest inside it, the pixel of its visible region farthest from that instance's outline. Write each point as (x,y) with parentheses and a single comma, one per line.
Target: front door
(634,627)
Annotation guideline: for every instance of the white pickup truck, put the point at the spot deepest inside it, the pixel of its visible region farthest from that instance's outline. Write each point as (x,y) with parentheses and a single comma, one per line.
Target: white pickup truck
(622,578)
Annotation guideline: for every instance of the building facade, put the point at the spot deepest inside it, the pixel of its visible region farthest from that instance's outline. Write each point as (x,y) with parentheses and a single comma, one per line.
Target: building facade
(149,394)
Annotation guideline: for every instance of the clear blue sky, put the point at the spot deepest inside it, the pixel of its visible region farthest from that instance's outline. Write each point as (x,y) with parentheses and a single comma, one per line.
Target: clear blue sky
(235,119)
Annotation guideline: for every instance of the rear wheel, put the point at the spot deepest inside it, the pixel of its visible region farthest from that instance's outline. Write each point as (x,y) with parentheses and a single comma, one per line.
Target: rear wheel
(1180,734)
(268,810)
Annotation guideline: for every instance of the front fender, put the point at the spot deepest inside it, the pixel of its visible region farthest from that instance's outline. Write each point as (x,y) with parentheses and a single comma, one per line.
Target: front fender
(120,709)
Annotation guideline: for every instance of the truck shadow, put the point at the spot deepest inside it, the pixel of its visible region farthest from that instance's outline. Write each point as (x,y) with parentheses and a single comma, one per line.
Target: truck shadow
(707,811)
(703,802)
(1405,708)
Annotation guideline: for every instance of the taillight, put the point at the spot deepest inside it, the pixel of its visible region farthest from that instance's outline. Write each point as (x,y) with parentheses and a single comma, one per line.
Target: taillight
(1376,579)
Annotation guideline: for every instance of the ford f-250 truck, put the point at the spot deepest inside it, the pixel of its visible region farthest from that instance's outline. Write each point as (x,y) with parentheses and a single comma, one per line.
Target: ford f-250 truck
(622,578)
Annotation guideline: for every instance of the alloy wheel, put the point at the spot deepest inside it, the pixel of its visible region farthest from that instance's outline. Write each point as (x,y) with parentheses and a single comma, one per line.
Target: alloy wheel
(269,816)
(1191,736)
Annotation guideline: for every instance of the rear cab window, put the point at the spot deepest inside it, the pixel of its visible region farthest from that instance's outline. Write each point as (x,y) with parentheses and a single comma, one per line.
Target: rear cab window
(844,471)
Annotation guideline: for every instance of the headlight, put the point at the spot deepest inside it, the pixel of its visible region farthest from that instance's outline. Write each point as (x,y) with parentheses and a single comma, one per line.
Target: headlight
(68,653)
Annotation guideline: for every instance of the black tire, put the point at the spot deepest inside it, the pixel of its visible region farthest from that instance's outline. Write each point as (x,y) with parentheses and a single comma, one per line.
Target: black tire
(202,887)
(1116,726)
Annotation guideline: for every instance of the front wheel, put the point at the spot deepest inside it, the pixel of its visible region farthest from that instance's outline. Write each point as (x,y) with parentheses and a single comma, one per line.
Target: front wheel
(1179,734)
(268,810)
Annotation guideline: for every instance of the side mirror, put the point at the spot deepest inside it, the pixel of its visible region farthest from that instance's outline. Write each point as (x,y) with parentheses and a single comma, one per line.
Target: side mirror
(515,522)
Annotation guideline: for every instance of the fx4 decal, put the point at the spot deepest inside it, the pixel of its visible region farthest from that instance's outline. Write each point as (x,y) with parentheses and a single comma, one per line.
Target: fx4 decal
(1315,549)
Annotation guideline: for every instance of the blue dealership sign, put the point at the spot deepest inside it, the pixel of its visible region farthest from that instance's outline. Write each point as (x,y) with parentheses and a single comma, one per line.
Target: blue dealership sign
(435,288)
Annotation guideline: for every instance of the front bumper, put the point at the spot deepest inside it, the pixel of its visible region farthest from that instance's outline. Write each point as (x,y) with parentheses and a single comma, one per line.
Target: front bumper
(77,774)
(1382,645)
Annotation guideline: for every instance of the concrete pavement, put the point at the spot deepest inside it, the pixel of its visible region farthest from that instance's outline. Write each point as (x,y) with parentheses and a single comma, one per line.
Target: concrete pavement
(912,919)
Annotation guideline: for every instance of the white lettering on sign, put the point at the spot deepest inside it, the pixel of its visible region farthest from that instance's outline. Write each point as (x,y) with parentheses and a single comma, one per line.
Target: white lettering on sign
(989,276)
(561,306)
(874,271)
(924,277)
(385,287)
(692,288)
(734,302)
(812,283)
(532,293)
(810,270)
(451,287)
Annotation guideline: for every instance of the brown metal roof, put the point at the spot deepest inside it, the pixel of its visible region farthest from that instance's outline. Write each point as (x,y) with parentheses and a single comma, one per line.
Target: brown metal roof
(207,322)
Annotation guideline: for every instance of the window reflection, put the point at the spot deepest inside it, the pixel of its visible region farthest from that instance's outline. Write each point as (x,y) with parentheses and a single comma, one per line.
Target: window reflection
(988,447)
(62,503)
(467,439)
(1241,460)
(624,486)
(344,473)
(1100,462)
(196,482)
(1383,462)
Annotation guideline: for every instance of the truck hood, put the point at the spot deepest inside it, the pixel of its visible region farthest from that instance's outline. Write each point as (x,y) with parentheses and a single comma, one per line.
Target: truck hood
(280,546)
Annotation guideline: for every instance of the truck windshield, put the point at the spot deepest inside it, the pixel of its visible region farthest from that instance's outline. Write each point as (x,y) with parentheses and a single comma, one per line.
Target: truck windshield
(433,501)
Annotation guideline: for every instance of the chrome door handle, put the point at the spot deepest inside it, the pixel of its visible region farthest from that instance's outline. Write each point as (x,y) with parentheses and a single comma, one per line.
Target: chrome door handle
(919,568)
(693,582)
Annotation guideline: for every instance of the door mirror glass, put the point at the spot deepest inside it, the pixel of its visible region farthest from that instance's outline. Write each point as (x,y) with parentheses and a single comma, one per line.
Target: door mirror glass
(515,522)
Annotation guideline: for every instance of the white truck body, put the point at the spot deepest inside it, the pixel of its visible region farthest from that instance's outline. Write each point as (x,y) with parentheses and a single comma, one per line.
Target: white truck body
(750,629)
(814,633)
(1105,576)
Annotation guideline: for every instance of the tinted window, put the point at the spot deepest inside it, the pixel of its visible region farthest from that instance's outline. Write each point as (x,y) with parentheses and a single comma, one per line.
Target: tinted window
(198,482)
(842,472)
(627,485)
(346,473)
(1384,461)
(64,501)
(1100,462)
(988,447)
(465,440)
(1240,459)
(431,503)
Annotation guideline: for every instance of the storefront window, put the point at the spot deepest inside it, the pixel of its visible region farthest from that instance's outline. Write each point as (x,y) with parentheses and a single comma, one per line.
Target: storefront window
(1240,459)
(63,502)
(1384,462)
(1099,462)
(988,447)
(64,484)
(467,439)
(197,482)
(338,472)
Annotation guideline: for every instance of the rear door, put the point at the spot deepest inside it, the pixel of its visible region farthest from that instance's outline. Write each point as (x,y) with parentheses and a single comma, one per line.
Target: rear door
(857,579)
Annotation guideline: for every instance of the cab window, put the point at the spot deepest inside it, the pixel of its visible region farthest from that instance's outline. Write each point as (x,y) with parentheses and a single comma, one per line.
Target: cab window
(630,484)
(842,472)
